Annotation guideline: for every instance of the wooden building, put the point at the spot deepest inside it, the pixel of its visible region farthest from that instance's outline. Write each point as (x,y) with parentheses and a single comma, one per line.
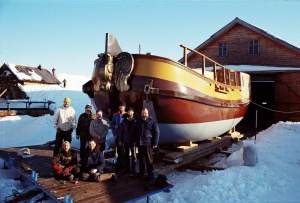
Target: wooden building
(12,77)
(275,86)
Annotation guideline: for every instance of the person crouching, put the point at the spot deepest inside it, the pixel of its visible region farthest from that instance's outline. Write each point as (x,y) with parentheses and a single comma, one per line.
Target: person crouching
(93,163)
(64,164)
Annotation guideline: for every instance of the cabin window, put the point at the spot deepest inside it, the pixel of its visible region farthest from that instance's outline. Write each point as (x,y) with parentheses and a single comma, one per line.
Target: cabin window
(253,47)
(223,49)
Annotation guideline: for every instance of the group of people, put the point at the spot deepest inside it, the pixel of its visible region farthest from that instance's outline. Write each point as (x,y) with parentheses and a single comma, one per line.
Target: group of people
(130,131)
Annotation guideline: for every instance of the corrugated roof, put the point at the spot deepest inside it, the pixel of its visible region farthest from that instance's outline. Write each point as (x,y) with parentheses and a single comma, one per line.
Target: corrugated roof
(32,74)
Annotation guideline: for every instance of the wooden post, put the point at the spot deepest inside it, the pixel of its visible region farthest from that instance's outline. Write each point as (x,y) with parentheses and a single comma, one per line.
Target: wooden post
(255,124)
(235,82)
(215,71)
(184,55)
(8,107)
(224,76)
(203,65)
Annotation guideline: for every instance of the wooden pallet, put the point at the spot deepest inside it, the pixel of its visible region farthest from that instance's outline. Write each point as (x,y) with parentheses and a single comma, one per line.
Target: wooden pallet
(177,159)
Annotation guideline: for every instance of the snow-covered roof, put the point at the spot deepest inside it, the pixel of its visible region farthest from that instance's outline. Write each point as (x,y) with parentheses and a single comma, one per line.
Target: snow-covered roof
(33,74)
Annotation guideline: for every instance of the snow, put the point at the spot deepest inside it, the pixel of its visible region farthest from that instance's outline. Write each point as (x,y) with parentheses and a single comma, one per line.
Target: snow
(275,177)
(23,76)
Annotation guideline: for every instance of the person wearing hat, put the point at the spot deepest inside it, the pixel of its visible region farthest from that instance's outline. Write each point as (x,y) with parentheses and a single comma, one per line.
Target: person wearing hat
(115,126)
(127,140)
(64,164)
(83,127)
(64,120)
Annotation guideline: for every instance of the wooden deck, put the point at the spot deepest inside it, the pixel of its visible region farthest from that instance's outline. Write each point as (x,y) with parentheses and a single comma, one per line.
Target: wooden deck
(126,189)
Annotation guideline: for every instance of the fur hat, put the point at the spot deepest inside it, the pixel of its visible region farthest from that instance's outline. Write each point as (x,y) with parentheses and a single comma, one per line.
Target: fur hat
(67,99)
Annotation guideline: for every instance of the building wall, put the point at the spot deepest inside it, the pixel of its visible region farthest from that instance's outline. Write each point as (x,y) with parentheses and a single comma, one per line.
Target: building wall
(286,94)
(287,97)
(10,84)
(271,53)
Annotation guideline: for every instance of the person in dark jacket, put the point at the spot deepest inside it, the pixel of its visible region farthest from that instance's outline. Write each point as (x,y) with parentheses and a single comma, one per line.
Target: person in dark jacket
(147,135)
(93,163)
(115,127)
(127,140)
(83,127)
(64,164)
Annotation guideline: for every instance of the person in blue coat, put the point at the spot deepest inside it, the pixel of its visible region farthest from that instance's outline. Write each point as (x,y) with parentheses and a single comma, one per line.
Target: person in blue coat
(93,163)
(116,123)
(147,135)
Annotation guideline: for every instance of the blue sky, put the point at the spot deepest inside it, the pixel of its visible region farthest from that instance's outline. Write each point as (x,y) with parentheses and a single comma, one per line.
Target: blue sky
(68,34)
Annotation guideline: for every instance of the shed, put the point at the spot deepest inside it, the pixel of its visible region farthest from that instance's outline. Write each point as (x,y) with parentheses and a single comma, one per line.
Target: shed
(12,76)
(275,85)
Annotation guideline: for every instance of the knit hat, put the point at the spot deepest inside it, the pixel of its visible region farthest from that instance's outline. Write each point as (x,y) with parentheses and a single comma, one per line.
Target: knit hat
(67,99)
(88,106)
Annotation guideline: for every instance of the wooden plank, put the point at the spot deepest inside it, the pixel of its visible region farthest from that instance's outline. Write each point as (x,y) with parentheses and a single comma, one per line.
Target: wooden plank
(187,148)
(203,150)
(26,167)
(125,189)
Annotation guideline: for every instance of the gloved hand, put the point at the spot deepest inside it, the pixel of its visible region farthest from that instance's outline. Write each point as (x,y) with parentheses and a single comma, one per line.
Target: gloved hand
(67,170)
(57,169)
(77,137)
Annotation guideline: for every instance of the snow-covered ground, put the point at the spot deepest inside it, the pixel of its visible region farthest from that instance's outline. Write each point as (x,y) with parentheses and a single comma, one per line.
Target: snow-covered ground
(274,178)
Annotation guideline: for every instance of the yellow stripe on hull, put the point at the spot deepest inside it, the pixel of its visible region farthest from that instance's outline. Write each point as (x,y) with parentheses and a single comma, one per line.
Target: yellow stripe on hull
(188,78)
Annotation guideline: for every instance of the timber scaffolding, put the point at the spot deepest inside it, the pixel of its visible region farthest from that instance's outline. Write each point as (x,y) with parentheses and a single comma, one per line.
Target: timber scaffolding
(126,189)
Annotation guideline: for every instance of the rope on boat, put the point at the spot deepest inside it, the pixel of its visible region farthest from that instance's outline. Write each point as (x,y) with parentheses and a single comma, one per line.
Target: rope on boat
(288,112)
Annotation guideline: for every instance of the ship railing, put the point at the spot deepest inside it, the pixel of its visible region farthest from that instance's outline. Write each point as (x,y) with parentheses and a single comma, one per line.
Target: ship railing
(223,75)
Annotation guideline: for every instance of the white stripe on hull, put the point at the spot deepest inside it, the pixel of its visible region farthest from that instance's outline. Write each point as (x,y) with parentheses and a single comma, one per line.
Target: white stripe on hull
(180,133)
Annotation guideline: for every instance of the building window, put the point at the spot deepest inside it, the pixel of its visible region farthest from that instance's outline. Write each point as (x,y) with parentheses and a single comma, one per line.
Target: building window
(253,47)
(222,49)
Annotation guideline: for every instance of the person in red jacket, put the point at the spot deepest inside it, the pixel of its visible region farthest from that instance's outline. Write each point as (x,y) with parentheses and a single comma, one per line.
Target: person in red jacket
(64,164)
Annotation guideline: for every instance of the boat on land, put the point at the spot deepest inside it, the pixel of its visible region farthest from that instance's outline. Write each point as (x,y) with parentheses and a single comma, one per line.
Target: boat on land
(189,104)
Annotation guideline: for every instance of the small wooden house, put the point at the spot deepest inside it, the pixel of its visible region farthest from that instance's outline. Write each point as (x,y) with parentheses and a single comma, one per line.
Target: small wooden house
(12,76)
(275,85)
